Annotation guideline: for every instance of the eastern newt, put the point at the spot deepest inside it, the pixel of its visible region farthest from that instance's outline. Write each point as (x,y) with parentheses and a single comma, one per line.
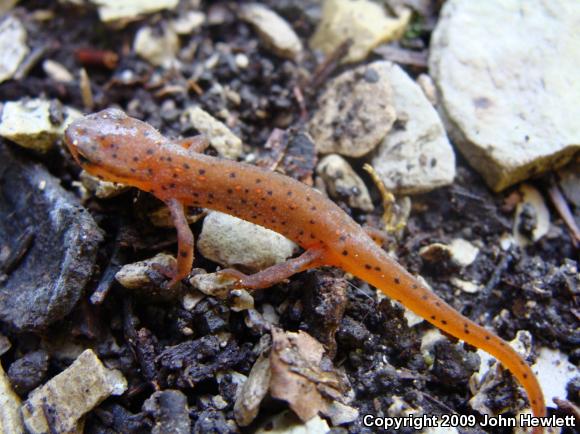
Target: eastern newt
(113,146)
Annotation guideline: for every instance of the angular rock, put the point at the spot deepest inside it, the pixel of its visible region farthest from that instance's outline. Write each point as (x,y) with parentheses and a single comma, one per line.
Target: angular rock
(146,279)
(35,123)
(219,135)
(10,421)
(415,156)
(342,181)
(364,22)
(355,112)
(274,31)
(115,11)
(60,404)
(53,242)
(232,242)
(158,47)
(510,96)
(13,48)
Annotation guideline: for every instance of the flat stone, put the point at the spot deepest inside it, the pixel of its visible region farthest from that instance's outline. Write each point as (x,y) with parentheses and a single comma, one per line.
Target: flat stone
(115,11)
(13,48)
(67,397)
(510,95)
(219,135)
(10,421)
(232,242)
(355,112)
(54,240)
(415,156)
(144,279)
(341,181)
(35,123)
(366,23)
(274,31)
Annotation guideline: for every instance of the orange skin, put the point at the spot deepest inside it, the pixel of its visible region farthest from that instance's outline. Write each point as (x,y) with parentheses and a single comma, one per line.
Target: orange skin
(115,147)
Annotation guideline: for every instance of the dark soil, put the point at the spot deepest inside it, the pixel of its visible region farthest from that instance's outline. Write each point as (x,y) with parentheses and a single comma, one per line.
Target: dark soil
(149,341)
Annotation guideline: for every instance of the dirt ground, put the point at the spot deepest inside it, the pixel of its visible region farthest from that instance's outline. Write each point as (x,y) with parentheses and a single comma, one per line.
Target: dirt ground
(370,340)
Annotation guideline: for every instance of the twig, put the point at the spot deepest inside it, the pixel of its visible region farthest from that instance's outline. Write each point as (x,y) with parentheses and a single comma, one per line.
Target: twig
(564,210)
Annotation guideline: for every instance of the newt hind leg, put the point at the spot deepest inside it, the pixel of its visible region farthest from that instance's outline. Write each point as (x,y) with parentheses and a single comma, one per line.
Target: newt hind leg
(275,273)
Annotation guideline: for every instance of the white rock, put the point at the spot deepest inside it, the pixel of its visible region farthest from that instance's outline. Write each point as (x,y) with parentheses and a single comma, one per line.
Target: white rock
(10,421)
(342,181)
(365,22)
(490,372)
(355,112)
(232,242)
(507,71)
(532,202)
(138,275)
(554,372)
(463,252)
(13,48)
(415,156)
(111,11)
(188,22)
(57,71)
(71,394)
(157,47)
(274,31)
(219,135)
(288,423)
(28,123)
(465,285)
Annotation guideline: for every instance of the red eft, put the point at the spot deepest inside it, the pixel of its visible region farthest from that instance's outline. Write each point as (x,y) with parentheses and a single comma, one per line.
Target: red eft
(115,147)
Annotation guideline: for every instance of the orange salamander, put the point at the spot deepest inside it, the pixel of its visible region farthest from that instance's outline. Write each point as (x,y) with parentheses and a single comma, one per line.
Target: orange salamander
(113,146)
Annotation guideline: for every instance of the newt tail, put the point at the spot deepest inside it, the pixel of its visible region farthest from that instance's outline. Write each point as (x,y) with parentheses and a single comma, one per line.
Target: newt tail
(395,282)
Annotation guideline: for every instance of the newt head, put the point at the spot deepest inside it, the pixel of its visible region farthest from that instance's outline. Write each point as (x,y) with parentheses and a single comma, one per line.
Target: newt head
(111,145)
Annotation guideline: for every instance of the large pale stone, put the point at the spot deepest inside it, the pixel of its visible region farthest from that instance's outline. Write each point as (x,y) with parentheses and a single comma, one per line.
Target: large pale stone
(31,124)
(67,397)
(415,156)
(364,22)
(355,112)
(507,71)
(232,242)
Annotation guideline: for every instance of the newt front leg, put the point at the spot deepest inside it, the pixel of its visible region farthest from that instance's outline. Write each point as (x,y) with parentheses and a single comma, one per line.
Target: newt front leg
(184,241)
